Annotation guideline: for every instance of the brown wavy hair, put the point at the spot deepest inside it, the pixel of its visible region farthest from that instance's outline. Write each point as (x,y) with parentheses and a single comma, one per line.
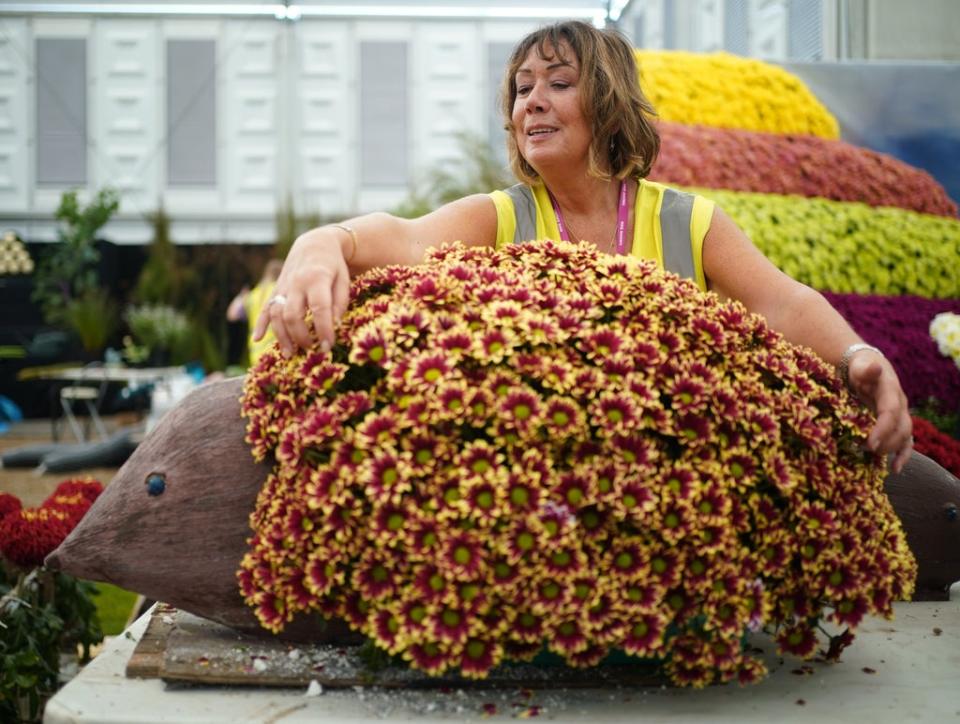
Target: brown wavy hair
(625,142)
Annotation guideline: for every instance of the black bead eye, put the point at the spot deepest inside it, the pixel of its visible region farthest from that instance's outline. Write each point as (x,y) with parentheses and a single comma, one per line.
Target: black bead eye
(156,484)
(951,512)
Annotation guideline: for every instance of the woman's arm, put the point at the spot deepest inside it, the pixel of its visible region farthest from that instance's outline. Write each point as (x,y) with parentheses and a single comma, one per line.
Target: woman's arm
(736,269)
(316,274)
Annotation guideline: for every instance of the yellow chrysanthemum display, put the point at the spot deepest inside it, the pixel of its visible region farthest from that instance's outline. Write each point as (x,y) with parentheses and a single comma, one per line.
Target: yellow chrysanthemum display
(719,89)
(850,247)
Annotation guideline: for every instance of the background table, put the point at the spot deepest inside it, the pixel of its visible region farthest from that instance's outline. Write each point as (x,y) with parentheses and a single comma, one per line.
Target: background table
(907,669)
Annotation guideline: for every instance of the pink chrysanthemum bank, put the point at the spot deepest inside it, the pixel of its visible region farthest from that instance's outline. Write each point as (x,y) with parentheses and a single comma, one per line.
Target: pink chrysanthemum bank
(546,446)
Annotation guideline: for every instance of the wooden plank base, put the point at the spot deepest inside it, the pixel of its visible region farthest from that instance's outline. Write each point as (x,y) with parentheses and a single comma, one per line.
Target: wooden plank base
(180,647)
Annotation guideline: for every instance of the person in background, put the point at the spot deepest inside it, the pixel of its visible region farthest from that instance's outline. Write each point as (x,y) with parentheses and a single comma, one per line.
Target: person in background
(581,143)
(249,303)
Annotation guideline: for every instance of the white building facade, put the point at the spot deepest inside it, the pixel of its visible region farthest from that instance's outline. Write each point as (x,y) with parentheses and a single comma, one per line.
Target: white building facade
(225,112)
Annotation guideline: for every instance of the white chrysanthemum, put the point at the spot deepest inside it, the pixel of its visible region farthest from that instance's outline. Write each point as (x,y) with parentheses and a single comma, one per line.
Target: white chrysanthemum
(945,330)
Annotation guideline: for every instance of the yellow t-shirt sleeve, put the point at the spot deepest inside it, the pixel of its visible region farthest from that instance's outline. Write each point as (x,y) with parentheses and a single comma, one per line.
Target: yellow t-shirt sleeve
(506,218)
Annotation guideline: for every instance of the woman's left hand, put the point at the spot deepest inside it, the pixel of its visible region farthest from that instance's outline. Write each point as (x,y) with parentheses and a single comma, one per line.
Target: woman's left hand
(873,379)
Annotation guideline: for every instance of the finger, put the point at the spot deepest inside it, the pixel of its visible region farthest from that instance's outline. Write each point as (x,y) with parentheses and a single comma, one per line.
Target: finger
(263,321)
(903,456)
(274,313)
(341,296)
(293,320)
(321,305)
(865,376)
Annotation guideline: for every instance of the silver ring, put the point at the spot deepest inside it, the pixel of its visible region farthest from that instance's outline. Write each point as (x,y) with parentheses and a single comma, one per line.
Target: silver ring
(278,299)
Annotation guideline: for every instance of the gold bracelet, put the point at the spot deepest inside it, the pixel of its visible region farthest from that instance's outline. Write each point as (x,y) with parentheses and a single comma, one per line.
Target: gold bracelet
(353,238)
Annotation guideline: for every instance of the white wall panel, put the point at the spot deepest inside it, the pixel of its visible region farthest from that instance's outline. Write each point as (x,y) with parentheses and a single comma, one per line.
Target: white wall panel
(449,76)
(127,95)
(321,175)
(251,78)
(708,26)
(15,134)
(768,29)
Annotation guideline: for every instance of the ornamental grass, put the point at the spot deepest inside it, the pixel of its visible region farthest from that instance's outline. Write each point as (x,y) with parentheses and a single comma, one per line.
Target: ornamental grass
(28,535)
(727,91)
(546,447)
(737,160)
(850,247)
(899,327)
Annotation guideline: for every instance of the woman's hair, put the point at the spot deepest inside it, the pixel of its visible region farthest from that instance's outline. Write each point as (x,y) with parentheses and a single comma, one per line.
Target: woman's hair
(625,142)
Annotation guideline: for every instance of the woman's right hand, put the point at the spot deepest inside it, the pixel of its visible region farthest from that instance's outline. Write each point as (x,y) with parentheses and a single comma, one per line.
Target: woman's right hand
(315,277)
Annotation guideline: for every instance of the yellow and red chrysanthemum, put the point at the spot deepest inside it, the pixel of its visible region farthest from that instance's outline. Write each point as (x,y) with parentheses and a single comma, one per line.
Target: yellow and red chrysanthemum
(546,445)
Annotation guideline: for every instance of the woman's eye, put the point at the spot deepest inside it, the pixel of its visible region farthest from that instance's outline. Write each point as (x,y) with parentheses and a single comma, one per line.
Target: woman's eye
(523,90)
(561,86)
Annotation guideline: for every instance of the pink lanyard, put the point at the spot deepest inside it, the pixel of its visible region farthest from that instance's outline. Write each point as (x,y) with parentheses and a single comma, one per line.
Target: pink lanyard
(621,219)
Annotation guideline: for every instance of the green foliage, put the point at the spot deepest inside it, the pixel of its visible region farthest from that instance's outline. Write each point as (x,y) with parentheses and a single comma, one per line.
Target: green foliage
(290,225)
(93,316)
(70,269)
(480,172)
(161,329)
(165,277)
(850,247)
(114,606)
(42,613)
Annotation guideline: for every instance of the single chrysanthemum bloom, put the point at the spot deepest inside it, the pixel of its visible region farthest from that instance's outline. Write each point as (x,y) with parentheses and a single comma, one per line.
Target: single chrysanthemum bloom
(271,611)
(407,326)
(643,635)
(319,373)
(527,627)
(321,574)
(428,369)
(562,417)
(850,611)
(615,414)
(370,346)
(479,656)
(798,639)
(431,657)
(573,491)
(567,638)
(520,410)
(463,557)
(375,575)
(430,583)
(450,625)
(633,501)
(564,561)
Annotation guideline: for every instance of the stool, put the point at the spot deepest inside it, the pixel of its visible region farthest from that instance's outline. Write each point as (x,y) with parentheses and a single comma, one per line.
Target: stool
(89,396)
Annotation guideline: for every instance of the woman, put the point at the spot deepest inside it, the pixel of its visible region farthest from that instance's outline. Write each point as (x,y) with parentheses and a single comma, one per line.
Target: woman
(581,141)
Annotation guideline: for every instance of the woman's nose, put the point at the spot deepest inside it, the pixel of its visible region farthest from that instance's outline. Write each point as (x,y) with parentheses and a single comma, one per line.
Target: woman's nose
(536,100)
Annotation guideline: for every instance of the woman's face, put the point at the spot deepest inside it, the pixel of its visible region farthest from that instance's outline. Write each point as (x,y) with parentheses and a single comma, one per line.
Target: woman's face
(550,128)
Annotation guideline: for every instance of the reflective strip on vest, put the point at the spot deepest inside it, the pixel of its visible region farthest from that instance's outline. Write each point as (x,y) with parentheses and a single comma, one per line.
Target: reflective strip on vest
(525,212)
(676,210)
